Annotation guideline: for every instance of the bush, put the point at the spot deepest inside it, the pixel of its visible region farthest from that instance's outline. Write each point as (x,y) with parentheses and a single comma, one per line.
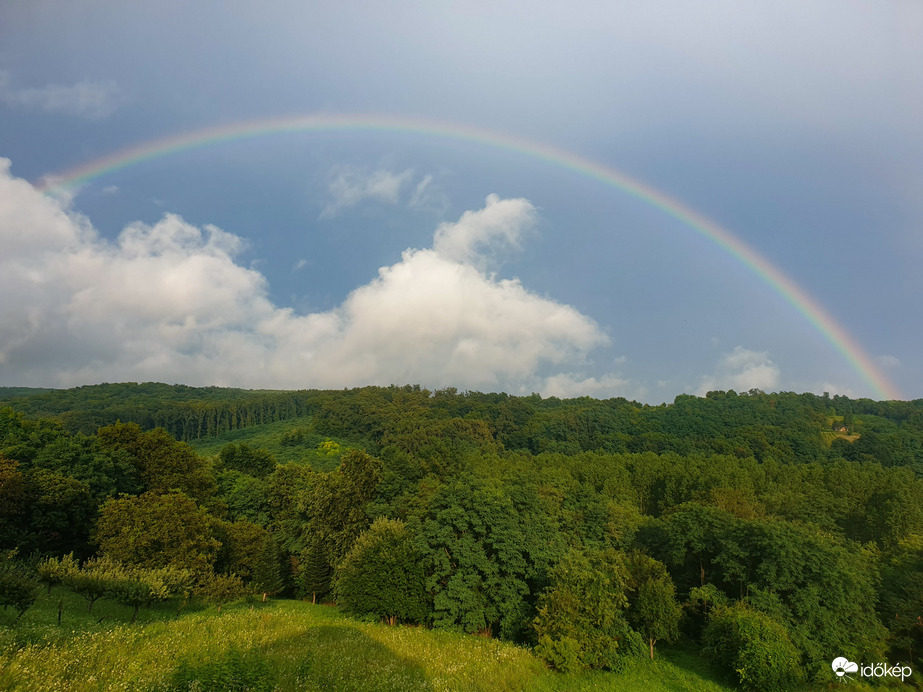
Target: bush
(753,647)
(220,589)
(581,616)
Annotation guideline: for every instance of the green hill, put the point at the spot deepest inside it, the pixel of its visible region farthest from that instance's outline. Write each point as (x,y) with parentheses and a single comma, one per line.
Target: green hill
(286,645)
(765,533)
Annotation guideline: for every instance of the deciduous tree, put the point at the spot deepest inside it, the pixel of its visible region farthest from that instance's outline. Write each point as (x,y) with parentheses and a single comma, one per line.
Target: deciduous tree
(157,530)
(382,575)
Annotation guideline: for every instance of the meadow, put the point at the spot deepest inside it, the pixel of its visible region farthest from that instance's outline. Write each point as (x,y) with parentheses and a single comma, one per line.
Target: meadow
(285,645)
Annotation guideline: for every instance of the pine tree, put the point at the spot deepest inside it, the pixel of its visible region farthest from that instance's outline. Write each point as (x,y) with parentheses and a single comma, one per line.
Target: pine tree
(267,572)
(315,573)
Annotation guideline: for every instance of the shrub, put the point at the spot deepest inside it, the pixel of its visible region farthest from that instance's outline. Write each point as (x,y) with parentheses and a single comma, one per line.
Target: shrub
(220,589)
(754,647)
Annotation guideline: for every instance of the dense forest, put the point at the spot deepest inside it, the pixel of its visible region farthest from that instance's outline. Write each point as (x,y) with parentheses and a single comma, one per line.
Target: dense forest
(774,532)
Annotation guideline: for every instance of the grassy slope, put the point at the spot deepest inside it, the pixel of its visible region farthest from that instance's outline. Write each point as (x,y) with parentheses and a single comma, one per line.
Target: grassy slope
(303,647)
(269,437)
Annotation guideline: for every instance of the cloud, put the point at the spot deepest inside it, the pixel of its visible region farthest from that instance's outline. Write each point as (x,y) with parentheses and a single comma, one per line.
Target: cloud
(86,99)
(351,185)
(889,361)
(567,385)
(500,223)
(421,196)
(428,196)
(169,302)
(742,370)
(836,389)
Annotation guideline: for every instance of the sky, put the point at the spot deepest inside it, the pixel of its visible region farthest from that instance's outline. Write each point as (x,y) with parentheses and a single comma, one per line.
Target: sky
(593,199)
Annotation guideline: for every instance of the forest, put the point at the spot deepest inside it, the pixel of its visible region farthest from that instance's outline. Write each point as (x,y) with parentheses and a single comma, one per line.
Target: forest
(769,533)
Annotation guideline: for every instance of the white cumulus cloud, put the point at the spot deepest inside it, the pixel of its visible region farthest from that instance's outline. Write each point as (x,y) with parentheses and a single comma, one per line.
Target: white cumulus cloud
(169,302)
(742,370)
(500,223)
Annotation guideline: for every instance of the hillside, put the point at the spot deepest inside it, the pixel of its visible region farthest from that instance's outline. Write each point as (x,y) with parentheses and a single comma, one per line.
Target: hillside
(784,426)
(755,532)
(288,645)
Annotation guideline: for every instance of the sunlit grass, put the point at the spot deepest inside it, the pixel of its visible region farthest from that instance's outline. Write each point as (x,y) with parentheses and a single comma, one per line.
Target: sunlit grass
(269,437)
(299,646)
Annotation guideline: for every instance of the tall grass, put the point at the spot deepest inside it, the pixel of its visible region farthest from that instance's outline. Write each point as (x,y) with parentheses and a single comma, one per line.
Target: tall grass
(283,645)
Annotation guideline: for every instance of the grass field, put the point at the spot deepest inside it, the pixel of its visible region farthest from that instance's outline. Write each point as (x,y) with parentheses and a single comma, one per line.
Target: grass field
(270,437)
(284,645)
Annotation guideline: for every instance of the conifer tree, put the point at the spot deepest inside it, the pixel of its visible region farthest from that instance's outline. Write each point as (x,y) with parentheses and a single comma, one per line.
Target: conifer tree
(267,573)
(315,573)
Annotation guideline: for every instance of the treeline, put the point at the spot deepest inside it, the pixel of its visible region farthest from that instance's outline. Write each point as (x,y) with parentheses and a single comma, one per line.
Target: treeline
(775,531)
(783,426)
(187,413)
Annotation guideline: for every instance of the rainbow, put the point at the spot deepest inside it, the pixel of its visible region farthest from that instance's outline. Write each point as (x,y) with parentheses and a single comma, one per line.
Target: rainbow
(809,308)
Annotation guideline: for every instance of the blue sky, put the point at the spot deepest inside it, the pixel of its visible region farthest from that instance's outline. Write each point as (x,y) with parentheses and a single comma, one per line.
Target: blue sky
(351,258)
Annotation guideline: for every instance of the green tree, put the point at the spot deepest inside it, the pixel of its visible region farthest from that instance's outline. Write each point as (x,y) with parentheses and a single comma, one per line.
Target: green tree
(245,496)
(267,572)
(53,570)
(135,587)
(581,619)
(754,648)
(382,575)
(336,506)
(107,472)
(13,493)
(163,464)
(315,575)
(475,553)
(652,607)
(157,530)
(90,582)
(901,604)
(246,459)
(819,586)
(288,498)
(18,588)
(242,544)
(61,512)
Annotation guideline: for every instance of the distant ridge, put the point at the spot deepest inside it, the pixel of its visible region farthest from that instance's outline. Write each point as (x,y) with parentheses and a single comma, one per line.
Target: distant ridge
(12,392)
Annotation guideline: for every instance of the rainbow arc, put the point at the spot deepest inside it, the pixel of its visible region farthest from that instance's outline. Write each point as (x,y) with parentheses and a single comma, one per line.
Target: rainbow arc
(771,275)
